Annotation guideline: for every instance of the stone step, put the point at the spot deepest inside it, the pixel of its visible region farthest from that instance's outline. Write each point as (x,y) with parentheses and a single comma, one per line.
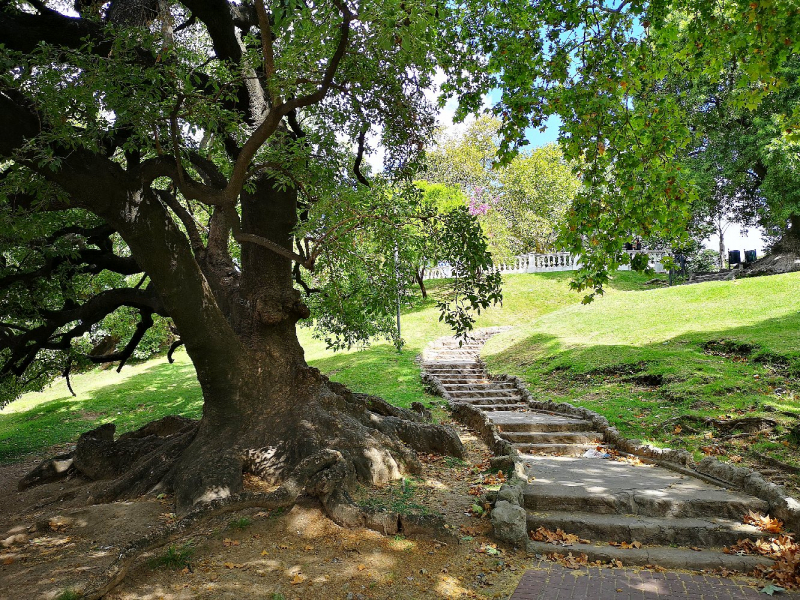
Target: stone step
(473,368)
(555,449)
(592,438)
(603,486)
(603,528)
(488,400)
(500,407)
(454,380)
(671,558)
(504,385)
(534,421)
(488,393)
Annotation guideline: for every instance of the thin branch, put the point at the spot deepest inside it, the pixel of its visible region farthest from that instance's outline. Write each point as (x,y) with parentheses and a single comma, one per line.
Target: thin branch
(360,157)
(268,51)
(299,279)
(240,236)
(188,222)
(175,345)
(66,376)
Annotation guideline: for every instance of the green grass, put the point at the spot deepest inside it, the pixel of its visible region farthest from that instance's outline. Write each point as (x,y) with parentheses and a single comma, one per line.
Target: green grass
(643,359)
(241,523)
(382,371)
(132,398)
(635,355)
(175,557)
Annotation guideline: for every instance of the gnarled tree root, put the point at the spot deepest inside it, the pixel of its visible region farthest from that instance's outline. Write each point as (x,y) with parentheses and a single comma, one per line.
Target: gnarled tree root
(320,447)
(284,497)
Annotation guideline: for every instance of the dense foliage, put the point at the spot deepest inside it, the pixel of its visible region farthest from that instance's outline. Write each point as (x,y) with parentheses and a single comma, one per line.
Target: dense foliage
(205,104)
(522,204)
(600,67)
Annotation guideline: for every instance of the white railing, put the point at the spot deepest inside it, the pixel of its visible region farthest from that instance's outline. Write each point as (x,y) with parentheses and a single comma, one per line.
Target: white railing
(550,262)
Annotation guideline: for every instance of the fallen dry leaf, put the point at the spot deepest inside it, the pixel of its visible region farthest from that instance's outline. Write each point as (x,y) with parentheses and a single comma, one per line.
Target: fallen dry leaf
(298,578)
(763,522)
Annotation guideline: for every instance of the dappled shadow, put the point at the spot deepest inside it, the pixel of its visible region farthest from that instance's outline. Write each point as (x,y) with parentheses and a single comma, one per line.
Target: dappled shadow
(155,391)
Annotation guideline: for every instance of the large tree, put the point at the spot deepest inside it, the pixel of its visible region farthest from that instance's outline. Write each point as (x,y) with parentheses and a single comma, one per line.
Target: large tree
(201,160)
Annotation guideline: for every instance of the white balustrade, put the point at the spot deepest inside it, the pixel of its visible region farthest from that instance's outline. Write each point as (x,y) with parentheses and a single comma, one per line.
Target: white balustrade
(549,262)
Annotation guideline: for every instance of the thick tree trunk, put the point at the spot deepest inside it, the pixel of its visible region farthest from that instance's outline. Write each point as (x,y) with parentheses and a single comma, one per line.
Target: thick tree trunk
(784,257)
(265,411)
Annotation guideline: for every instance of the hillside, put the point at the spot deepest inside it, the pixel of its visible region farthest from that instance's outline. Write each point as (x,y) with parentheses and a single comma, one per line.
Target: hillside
(713,368)
(641,357)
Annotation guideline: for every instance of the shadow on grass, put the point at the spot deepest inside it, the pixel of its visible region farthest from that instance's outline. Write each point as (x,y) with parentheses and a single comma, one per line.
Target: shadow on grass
(640,388)
(158,390)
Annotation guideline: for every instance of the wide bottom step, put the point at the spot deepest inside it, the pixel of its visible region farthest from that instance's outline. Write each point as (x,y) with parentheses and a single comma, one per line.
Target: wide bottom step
(706,532)
(670,558)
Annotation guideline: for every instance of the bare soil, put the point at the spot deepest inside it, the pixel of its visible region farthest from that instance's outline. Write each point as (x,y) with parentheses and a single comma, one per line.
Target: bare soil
(49,549)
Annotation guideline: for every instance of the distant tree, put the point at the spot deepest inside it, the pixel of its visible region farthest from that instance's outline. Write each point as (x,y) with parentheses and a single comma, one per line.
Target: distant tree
(522,204)
(745,167)
(598,67)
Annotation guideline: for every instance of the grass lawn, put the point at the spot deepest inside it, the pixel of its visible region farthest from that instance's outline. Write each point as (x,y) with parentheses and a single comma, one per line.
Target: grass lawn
(642,357)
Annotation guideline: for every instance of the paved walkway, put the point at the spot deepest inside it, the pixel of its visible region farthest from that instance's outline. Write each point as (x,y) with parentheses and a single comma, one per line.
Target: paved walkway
(594,583)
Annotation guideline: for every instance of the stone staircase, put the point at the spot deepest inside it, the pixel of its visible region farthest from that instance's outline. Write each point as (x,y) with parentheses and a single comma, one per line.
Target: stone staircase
(724,275)
(679,520)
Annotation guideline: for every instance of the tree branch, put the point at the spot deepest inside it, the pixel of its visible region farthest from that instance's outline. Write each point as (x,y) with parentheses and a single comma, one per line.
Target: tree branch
(359,158)
(274,117)
(240,236)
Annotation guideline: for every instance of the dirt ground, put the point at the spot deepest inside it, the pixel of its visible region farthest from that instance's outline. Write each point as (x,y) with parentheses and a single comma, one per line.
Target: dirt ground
(48,550)
(54,550)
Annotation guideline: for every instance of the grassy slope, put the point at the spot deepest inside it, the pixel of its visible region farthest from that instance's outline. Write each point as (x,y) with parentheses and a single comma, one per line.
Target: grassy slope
(590,355)
(153,389)
(641,359)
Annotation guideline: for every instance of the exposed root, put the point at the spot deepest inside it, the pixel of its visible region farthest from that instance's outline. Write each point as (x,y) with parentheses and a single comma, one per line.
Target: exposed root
(320,446)
(283,497)
(724,427)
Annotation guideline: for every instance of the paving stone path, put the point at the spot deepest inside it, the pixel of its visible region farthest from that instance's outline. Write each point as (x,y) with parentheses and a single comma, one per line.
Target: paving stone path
(681,522)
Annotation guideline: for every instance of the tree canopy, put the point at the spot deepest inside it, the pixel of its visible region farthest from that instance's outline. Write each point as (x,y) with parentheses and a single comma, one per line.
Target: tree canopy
(599,67)
(522,205)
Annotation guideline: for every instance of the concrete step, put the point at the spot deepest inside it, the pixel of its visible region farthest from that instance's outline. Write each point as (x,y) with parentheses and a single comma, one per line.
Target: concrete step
(487,393)
(671,558)
(592,438)
(599,528)
(603,486)
(554,449)
(535,421)
(478,385)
